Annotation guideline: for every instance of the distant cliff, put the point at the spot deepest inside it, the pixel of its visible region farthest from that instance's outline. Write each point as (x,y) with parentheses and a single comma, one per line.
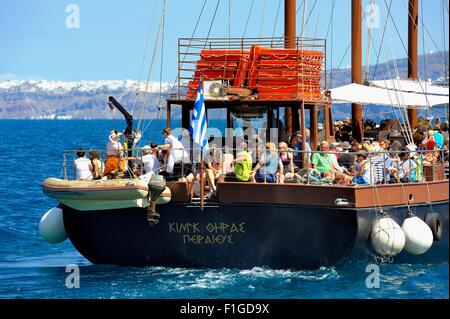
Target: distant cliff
(434,70)
(75,100)
(88,99)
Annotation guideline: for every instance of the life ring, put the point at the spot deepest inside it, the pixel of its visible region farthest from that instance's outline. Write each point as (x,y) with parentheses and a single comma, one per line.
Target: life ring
(433,220)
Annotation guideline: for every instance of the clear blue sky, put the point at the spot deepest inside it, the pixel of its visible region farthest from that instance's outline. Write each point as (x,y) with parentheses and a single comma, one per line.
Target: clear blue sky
(36,44)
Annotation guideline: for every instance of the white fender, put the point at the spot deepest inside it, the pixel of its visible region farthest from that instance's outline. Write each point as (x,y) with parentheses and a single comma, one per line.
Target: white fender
(387,237)
(51,226)
(419,236)
(165,197)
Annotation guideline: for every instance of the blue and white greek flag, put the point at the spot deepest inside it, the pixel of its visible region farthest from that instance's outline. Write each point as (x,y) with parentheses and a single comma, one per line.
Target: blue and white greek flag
(199,123)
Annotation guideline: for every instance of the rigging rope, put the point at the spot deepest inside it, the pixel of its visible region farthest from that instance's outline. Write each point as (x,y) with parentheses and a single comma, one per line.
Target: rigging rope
(162,54)
(229,22)
(381,43)
(206,40)
(426,29)
(423,47)
(262,18)
(399,115)
(396,29)
(212,22)
(395,62)
(303,18)
(317,23)
(443,37)
(248,18)
(276,18)
(309,15)
(151,68)
(331,44)
(342,59)
(369,42)
(150,27)
(188,46)
(298,9)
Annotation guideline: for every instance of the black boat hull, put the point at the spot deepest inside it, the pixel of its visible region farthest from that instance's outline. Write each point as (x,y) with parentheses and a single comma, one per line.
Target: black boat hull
(238,235)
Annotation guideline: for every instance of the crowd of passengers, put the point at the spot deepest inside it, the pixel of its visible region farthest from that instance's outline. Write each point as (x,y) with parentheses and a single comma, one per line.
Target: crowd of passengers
(345,162)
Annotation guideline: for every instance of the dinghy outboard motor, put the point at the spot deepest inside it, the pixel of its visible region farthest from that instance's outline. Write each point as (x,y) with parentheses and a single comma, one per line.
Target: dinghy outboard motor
(156,186)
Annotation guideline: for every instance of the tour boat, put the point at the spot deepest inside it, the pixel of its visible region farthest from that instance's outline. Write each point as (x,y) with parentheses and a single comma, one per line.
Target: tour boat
(289,225)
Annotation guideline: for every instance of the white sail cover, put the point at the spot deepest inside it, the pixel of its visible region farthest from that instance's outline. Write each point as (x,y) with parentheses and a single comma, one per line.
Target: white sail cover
(413,86)
(386,95)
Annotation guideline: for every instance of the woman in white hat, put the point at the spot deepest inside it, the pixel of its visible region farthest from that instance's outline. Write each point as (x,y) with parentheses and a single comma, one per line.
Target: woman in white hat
(114,148)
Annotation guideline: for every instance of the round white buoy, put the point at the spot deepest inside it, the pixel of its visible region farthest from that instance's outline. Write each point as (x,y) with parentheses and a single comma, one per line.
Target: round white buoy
(165,197)
(418,235)
(387,237)
(51,226)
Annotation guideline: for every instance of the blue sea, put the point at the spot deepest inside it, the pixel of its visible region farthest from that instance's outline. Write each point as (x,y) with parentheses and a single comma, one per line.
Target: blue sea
(31,151)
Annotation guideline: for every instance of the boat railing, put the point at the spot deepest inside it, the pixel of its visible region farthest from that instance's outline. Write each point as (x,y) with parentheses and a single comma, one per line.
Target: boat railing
(69,157)
(300,166)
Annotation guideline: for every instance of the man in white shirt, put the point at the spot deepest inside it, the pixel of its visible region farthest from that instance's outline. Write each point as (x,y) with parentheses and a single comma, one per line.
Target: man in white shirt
(177,154)
(149,160)
(83,166)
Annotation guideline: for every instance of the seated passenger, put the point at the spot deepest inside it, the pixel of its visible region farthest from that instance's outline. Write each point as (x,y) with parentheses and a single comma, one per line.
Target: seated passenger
(213,162)
(299,156)
(407,168)
(438,137)
(83,166)
(430,158)
(365,172)
(97,165)
(347,159)
(270,167)
(255,147)
(346,177)
(287,159)
(335,167)
(321,161)
(242,166)
(418,160)
(227,162)
(379,162)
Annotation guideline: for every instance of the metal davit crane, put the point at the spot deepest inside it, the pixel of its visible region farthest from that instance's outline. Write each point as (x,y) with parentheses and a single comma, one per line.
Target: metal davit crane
(128,133)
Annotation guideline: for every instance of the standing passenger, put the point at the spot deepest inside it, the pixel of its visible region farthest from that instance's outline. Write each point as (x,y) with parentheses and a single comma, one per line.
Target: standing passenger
(176,153)
(114,148)
(150,160)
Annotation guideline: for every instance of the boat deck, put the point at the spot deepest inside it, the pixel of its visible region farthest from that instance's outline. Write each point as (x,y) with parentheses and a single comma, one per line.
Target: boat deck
(361,196)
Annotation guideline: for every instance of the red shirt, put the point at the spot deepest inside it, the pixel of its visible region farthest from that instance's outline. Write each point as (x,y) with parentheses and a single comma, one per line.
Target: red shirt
(429,146)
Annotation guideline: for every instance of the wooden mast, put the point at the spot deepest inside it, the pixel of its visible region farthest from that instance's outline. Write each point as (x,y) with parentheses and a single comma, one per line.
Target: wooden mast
(357,115)
(413,13)
(289,43)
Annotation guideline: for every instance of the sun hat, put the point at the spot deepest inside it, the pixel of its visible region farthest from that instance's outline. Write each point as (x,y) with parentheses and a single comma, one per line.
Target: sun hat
(346,145)
(115,135)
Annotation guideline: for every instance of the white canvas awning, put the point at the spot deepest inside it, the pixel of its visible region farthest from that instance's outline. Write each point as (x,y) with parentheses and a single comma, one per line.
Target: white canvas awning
(361,94)
(412,86)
